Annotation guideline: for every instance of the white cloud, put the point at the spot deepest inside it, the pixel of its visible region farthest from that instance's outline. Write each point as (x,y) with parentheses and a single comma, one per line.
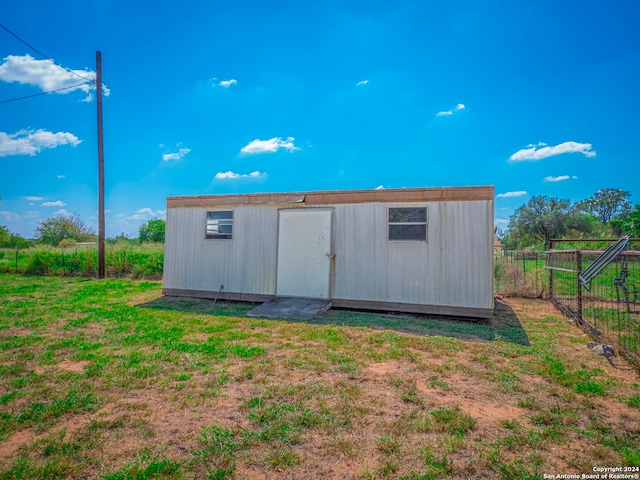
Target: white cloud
(34,199)
(223,83)
(57,203)
(62,211)
(146,214)
(533,153)
(177,155)
(236,176)
(46,75)
(269,146)
(518,193)
(31,214)
(30,142)
(500,221)
(560,178)
(62,176)
(9,216)
(446,113)
(379,187)
(362,82)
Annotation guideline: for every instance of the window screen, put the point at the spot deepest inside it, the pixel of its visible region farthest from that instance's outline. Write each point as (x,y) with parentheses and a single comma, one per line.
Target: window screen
(408,223)
(220,224)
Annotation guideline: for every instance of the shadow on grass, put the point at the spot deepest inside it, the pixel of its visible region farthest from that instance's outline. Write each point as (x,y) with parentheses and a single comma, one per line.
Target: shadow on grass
(504,326)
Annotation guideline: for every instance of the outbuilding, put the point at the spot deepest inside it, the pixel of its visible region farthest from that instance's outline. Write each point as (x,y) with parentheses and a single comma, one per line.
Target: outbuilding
(422,250)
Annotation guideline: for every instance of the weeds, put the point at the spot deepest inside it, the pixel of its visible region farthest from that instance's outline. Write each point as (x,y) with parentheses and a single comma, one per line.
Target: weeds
(450,420)
(218,451)
(139,261)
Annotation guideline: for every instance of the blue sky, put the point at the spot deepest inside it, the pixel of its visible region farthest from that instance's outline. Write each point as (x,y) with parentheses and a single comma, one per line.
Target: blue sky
(536,98)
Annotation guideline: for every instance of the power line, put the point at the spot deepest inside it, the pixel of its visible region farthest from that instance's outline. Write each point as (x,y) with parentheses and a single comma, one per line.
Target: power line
(47,57)
(44,93)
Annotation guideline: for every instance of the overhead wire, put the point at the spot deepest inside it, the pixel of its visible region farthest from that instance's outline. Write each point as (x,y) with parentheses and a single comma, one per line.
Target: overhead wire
(88,81)
(73,72)
(44,93)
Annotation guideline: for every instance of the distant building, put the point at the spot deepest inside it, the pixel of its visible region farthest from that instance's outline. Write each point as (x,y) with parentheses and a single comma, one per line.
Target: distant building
(498,248)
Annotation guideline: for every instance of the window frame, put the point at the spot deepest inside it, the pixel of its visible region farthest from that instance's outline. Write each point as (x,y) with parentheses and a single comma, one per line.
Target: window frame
(410,207)
(225,222)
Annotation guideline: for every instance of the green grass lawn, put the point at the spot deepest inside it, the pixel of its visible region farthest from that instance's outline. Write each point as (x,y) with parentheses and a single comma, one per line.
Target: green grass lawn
(109,380)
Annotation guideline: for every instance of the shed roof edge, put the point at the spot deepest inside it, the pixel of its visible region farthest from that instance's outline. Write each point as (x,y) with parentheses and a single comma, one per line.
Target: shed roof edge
(330,197)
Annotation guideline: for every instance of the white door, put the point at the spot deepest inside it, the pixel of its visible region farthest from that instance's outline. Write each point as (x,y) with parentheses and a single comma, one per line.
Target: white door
(304,253)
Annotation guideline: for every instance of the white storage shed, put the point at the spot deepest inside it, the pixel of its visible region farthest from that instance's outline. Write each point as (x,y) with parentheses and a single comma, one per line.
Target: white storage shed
(422,250)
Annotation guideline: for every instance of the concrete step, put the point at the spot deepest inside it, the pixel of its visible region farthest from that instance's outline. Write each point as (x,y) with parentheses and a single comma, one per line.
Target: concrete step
(291,308)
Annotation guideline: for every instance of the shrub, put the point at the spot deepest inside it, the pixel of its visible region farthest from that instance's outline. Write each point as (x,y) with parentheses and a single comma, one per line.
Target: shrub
(52,231)
(40,263)
(67,243)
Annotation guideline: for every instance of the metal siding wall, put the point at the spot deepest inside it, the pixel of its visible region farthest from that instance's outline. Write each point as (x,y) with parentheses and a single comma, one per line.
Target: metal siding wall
(243,264)
(465,233)
(254,249)
(454,267)
(360,248)
(182,247)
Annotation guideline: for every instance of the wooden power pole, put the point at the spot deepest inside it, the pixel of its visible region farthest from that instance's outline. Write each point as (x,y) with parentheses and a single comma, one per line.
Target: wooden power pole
(101,267)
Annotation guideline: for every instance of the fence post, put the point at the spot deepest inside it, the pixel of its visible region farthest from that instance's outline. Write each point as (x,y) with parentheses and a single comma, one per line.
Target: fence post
(549,248)
(514,259)
(550,280)
(579,268)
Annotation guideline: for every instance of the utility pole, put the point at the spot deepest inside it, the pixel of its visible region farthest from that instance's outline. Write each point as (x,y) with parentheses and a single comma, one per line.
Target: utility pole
(100,168)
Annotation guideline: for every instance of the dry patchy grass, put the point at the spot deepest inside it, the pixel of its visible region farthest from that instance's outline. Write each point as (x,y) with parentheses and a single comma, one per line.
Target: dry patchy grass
(107,380)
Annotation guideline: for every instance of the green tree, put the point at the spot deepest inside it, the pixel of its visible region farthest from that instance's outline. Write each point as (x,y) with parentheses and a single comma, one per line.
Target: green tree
(52,231)
(607,204)
(543,218)
(630,224)
(4,235)
(11,240)
(152,231)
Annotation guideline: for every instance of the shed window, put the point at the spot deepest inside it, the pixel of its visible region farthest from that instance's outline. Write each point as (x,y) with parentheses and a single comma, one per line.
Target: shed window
(408,223)
(220,224)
